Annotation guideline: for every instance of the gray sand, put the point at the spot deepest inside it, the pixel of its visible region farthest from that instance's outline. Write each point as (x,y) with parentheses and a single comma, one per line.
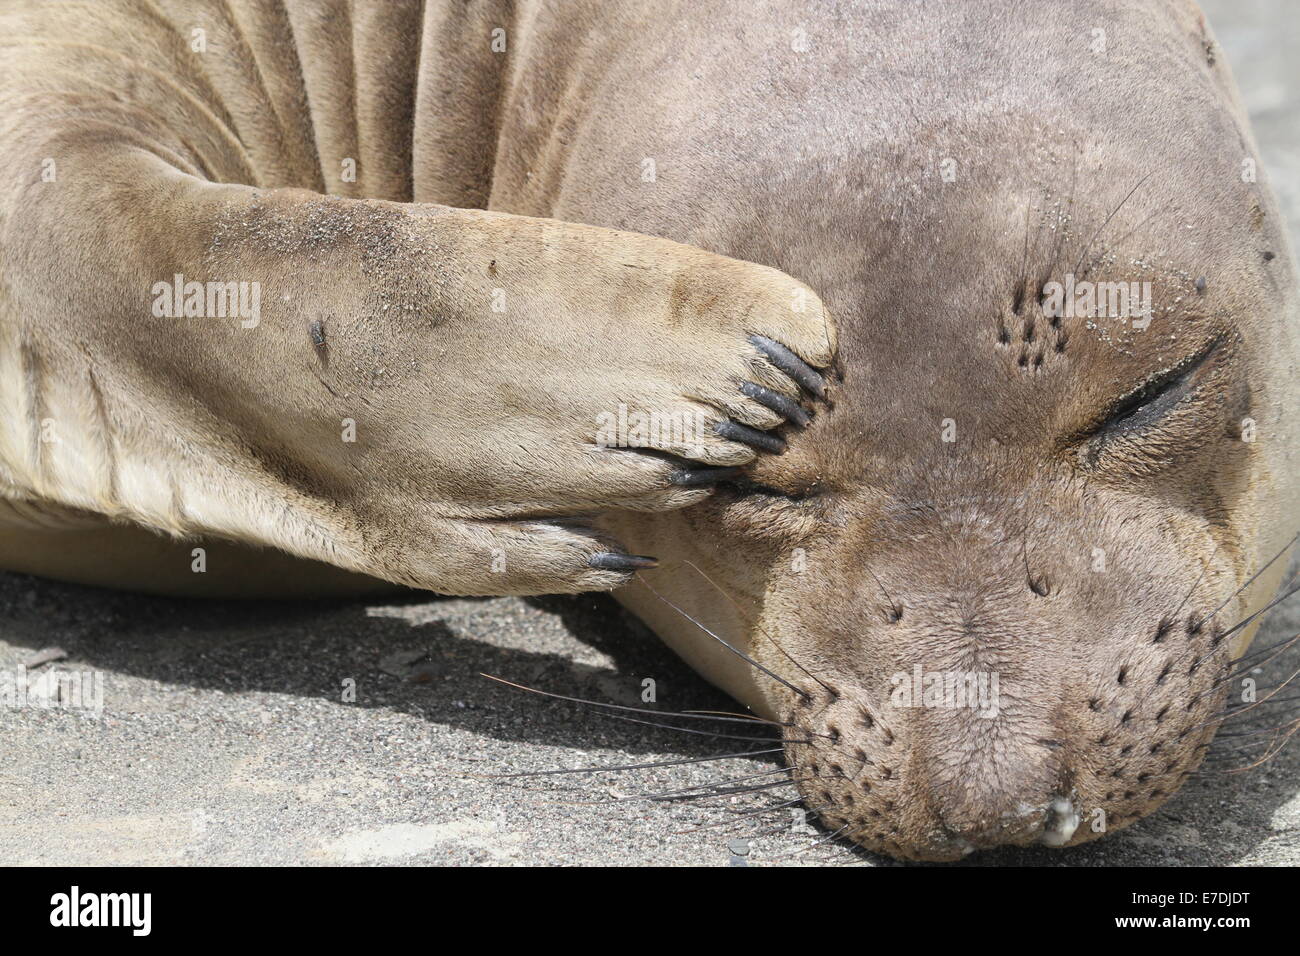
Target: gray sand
(225,739)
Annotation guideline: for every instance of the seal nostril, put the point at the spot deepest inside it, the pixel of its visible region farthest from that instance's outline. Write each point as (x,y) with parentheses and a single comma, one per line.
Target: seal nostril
(1040,586)
(1061,822)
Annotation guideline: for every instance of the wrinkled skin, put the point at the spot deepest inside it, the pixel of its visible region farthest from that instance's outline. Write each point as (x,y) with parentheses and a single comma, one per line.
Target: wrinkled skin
(987,488)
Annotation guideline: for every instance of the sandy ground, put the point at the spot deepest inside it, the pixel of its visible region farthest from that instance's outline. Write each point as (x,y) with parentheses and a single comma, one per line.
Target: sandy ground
(225,736)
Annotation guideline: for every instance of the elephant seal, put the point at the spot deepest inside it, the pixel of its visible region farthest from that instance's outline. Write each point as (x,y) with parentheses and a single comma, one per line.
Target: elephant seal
(988,559)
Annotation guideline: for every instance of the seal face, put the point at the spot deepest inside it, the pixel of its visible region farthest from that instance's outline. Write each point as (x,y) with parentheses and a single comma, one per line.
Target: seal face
(1010,614)
(1001,580)
(1020,635)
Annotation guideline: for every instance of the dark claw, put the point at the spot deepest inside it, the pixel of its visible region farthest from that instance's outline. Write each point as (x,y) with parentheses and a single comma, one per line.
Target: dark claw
(788,408)
(699,477)
(613,561)
(791,364)
(733,431)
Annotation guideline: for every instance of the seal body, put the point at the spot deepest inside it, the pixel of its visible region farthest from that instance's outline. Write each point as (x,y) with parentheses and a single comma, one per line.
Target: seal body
(1065,510)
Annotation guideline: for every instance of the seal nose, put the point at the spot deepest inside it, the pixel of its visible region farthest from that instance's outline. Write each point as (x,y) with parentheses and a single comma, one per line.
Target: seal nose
(1051,824)
(1062,821)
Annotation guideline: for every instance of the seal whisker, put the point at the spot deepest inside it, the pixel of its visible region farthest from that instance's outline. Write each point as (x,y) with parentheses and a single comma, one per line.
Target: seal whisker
(826,839)
(698,797)
(826,687)
(695,714)
(1106,221)
(1244,622)
(1259,731)
(1161,211)
(739,653)
(1063,218)
(695,799)
(628,766)
(1280,647)
(1250,580)
(1235,711)
(704,786)
(1229,713)
(1197,583)
(730,713)
(741,816)
(752,820)
(665,795)
(895,608)
(702,798)
(706,733)
(1281,745)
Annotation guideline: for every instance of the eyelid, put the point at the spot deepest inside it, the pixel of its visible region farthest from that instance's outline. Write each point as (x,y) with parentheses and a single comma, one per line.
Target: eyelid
(1171,381)
(749,487)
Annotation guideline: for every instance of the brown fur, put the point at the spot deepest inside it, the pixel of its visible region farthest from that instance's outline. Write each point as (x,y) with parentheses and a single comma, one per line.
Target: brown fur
(883,546)
(474,469)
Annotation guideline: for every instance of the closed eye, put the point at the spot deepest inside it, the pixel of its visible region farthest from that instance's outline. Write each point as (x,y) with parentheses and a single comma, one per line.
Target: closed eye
(748,488)
(1152,399)
(757,488)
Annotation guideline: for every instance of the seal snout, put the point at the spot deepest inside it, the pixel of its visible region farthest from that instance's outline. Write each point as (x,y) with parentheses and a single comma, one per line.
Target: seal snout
(934,785)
